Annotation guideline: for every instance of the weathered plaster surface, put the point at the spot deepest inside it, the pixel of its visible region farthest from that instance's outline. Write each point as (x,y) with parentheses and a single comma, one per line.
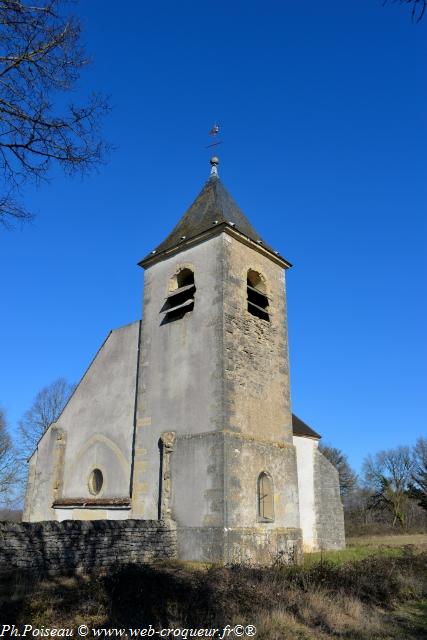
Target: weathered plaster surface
(306,448)
(43,476)
(180,381)
(90,514)
(321,510)
(94,430)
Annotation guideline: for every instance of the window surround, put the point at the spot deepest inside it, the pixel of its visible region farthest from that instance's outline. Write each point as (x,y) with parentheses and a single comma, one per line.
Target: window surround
(96,481)
(265,497)
(257,299)
(180,296)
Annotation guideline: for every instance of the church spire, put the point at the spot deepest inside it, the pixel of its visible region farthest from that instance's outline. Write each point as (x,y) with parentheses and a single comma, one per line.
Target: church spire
(213,211)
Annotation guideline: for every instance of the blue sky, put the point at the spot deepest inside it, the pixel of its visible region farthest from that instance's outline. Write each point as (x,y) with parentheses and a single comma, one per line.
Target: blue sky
(323,112)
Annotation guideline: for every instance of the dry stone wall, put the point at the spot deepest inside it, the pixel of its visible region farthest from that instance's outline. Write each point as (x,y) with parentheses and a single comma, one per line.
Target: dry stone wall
(83,546)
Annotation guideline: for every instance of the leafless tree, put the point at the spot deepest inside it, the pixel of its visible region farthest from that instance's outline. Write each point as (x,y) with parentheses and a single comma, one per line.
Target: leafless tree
(418,484)
(46,408)
(347,477)
(388,474)
(8,468)
(41,57)
(418,8)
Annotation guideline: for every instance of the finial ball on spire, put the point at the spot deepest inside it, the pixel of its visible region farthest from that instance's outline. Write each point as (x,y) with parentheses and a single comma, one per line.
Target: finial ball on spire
(214,161)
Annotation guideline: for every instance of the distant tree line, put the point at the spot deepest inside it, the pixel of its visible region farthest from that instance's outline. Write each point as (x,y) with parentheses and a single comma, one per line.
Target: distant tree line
(390,494)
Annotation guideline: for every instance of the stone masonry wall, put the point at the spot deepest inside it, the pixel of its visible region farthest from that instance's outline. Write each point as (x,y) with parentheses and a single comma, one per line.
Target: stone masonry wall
(329,509)
(82,546)
(256,369)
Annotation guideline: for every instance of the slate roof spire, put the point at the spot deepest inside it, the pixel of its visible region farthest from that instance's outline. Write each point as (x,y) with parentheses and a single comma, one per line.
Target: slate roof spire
(213,211)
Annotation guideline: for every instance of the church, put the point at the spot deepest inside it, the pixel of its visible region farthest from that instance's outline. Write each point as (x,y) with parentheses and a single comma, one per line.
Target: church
(185,416)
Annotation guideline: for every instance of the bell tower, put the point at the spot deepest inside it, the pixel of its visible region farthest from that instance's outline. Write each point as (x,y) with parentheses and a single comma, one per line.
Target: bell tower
(213,400)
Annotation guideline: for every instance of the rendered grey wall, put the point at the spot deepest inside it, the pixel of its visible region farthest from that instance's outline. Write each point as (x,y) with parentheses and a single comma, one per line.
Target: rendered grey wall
(197,485)
(98,424)
(180,381)
(40,484)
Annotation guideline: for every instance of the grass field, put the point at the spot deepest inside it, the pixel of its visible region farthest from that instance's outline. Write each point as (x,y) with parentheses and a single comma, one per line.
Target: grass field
(358,548)
(415,539)
(376,589)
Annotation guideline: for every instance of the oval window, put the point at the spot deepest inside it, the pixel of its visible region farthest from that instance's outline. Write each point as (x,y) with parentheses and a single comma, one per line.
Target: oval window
(96,481)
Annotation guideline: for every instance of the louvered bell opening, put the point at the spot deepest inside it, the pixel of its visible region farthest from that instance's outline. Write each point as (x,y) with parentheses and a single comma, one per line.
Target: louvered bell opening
(257,303)
(180,301)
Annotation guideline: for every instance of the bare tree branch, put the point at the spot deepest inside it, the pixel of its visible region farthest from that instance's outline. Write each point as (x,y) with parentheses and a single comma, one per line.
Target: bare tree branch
(347,477)
(46,408)
(8,467)
(418,484)
(41,58)
(418,8)
(388,475)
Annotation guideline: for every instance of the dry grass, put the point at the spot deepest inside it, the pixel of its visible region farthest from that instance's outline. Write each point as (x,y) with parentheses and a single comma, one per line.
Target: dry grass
(396,540)
(377,597)
(363,547)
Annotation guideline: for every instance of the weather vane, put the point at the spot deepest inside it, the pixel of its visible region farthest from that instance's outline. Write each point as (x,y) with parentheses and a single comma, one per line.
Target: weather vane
(214,132)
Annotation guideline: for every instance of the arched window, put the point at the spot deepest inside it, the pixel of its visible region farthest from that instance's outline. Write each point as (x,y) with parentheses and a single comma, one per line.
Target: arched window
(265,498)
(180,298)
(257,298)
(96,480)
(184,278)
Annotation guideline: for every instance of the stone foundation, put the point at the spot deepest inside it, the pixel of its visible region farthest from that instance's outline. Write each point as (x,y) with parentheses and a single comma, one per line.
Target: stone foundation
(240,544)
(75,546)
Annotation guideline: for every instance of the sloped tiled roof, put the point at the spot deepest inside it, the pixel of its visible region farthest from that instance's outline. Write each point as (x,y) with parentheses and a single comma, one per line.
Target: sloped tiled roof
(302,429)
(213,206)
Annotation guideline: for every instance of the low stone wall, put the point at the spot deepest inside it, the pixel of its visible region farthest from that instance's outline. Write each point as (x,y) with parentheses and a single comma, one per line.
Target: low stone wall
(83,546)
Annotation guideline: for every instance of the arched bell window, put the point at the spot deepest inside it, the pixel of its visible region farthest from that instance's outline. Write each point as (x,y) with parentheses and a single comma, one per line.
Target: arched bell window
(257,296)
(265,498)
(180,298)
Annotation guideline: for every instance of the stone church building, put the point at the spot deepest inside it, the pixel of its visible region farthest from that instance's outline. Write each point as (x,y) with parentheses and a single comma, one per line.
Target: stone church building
(185,415)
